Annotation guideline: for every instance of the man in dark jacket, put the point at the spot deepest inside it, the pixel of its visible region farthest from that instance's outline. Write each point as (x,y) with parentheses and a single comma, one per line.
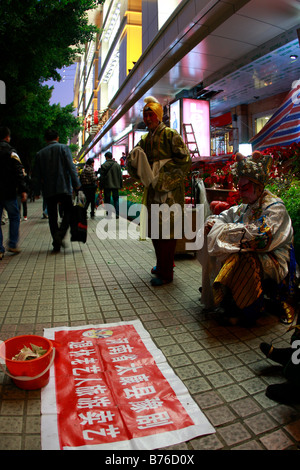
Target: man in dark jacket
(111,178)
(57,174)
(12,180)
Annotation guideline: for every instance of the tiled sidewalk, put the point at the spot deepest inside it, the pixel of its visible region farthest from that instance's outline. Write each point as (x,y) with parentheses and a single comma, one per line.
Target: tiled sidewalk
(108,281)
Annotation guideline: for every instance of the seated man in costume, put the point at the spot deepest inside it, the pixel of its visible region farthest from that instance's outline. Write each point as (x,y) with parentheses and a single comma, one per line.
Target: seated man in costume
(249,248)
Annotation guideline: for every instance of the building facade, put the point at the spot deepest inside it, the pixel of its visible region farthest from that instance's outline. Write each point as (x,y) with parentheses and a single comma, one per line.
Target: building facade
(238,57)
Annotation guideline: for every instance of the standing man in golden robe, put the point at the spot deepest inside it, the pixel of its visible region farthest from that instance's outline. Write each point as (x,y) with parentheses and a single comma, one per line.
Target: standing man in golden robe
(161,161)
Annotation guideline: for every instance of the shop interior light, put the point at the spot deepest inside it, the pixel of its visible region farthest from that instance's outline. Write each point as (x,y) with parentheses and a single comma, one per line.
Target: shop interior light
(245,149)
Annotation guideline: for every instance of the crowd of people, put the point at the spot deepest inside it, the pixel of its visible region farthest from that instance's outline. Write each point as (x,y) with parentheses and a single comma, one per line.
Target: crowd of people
(247,254)
(55,177)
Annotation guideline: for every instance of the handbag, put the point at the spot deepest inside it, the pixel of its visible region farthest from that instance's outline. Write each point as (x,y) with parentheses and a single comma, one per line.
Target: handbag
(78,225)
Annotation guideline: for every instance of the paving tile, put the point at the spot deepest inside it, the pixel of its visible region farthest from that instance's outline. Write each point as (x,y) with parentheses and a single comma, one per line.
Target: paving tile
(11,424)
(211,442)
(209,367)
(234,433)
(10,442)
(220,379)
(250,445)
(276,440)
(12,407)
(208,399)
(187,372)
(284,414)
(254,385)
(232,392)
(245,407)
(260,423)
(220,415)
(294,429)
(196,385)
(171,350)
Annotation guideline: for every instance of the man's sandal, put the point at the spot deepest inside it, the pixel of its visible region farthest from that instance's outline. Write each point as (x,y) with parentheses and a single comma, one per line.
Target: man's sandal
(288,314)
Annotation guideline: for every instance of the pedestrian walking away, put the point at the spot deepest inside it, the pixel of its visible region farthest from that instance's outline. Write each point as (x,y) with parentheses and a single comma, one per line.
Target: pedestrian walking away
(23,204)
(111,181)
(56,176)
(12,180)
(88,180)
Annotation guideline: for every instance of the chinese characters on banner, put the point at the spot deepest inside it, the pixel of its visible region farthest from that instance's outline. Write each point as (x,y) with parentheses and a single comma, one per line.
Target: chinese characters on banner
(111,388)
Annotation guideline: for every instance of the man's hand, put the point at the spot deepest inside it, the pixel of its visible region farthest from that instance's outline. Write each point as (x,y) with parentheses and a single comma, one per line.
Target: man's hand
(23,197)
(208,226)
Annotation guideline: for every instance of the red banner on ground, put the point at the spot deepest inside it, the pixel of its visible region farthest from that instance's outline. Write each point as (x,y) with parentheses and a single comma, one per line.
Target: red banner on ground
(111,388)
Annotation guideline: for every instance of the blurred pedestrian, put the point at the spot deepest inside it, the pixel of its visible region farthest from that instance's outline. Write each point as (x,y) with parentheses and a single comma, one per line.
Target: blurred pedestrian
(11,180)
(23,204)
(88,180)
(111,181)
(57,174)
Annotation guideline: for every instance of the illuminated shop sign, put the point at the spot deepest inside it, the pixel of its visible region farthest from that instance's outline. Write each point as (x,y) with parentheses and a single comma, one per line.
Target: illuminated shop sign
(196,112)
(175,120)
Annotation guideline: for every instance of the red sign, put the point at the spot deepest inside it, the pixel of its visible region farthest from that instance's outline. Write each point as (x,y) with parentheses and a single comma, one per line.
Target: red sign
(109,389)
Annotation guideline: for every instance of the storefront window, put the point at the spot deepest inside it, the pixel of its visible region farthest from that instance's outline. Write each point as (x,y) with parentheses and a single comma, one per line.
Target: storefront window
(221,141)
(260,122)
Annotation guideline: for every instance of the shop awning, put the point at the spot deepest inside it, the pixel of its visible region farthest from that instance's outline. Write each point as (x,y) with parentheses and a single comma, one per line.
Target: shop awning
(221,121)
(283,128)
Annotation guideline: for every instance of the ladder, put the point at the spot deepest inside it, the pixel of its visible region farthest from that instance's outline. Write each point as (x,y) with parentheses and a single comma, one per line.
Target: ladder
(188,131)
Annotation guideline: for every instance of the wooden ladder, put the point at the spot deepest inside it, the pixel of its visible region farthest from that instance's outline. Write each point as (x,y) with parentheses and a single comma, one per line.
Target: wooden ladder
(188,131)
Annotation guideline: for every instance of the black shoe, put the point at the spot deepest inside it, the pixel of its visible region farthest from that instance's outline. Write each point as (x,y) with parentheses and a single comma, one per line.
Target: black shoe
(285,393)
(155,271)
(279,355)
(58,242)
(15,251)
(156,281)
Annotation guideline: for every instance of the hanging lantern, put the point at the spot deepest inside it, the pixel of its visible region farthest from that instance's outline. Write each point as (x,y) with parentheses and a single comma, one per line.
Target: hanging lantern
(96,120)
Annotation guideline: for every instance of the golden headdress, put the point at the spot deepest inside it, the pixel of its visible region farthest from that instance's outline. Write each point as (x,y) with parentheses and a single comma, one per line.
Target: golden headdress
(155,106)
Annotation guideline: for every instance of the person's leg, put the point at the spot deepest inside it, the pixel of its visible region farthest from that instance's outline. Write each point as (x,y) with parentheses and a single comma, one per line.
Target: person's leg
(107,201)
(90,199)
(106,195)
(168,248)
(156,245)
(165,252)
(24,209)
(13,212)
(45,211)
(87,201)
(93,202)
(65,201)
(115,196)
(51,203)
